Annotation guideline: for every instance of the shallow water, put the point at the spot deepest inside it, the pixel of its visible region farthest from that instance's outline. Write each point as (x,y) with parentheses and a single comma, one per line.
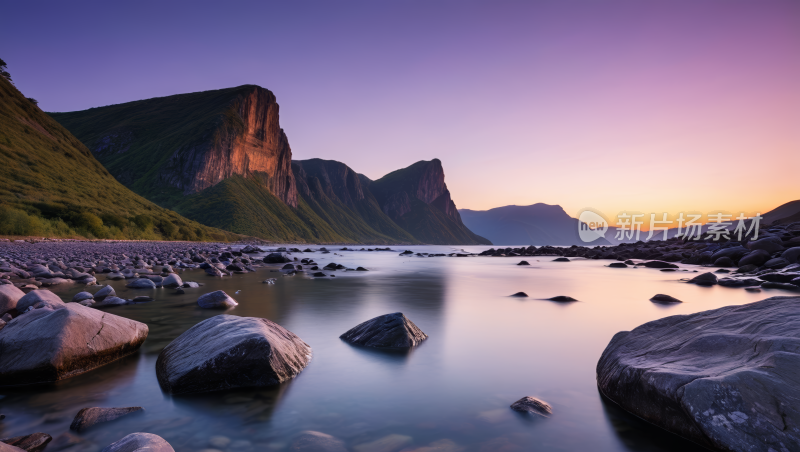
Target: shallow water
(485,350)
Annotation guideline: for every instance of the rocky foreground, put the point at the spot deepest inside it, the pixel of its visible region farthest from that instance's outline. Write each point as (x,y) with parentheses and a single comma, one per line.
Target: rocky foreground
(728,379)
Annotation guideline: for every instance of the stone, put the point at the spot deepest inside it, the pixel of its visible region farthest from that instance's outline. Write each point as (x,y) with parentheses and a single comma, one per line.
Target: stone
(106,291)
(362,269)
(561,298)
(110,301)
(47,345)
(35,442)
(532,405)
(80,296)
(747,268)
(725,379)
(619,265)
(190,285)
(561,259)
(311,441)
(9,297)
(216,300)
(776,263)
(141,283)
(665,299)
(520,295)
(736,282)
(704,279)
(756,257)
(393,331)
(792,255)
(88,417)
(115,276)
(140,442)
(38,299)
(659,264)
(724,261)
(319,274)
(768,244)
(226,352)
(779,285)
(288,267)
(523,263)
(389,443)
(276,258)
(172,280)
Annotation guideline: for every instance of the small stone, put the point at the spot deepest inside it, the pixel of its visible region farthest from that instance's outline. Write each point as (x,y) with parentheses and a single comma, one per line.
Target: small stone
(386,331)
(704,279)
(561,259)
(562,298)
(520,295)
(532,405)
(661,298)
(523,263)
(216,300)
(617,265)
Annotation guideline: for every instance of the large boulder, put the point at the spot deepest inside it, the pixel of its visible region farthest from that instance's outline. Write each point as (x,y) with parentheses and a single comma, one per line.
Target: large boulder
(727,379)
(792,255)
(226,352)
(386,331)
(276,258)
(140,442)
(106,291)
(756,257)
(768,244)
(9,297)
(46,344)
(216,300)
(172,280)
(39,299)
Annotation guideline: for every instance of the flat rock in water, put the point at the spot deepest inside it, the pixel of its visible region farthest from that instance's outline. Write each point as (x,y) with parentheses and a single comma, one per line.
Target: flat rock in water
(311,441)
(46,345)
(386,331)
(618,265)
(216,300)
(88,417)
(561,259)
(520,295)
(35,442)
(659,264)
(561,298)
(532,405)
(727,378)
(140,442)
(228,351)
(661,298)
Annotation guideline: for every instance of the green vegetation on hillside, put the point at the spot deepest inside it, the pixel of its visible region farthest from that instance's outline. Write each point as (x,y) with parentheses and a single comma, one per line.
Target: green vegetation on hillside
(51,185)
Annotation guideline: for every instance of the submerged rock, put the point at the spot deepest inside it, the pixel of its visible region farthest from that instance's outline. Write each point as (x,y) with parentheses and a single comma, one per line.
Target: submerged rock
(80,296)
(725,378)
(172,280)
(662,298)
(311,441)
(140,442)
(35,442)
(88,417)
(216,300)
(532,405)
(386,331)
(226,352)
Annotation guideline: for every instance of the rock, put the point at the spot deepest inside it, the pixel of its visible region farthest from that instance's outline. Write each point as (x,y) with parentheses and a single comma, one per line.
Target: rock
(361,269)
(140,442)
(722,270)
(659,264)
(619,265)
(747,268)
(752,289)
(173,280)
(142,299)
(39,299)
(276,258)
(288,267)
(389,443)
(661,298)
(47,345)
(562,298)
(115,276)
(757,258)
(106,291)
(520,294)
(214,272)
(110,301)
(704,279)
(141,283)
(779,285)
(725,379)
(35,442)
(561,259)
(523,263)
(724,261)
(319,274)
(386,331)
(9,297)
(190,285)
(768,244)
(226,352)
(776,263)
(9,448)
(88,417)
(311,441)
(80,296)
(532,405)
(792,255)
(735,282)
(216,300)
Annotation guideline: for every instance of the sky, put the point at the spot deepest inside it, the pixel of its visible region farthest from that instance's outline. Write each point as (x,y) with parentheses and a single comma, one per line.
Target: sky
(648,106)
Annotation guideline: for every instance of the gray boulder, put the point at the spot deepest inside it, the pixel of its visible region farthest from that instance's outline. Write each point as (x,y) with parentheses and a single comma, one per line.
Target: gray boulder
(386,331)
(40,299)
(704,279)
(80,296)
(106,291)
(47,345)
(9,297)
(757,258)
(140,442)
(88,417)
(226,352)
(664,299)
(173,280)
(532,405)
(726,379)
(141,283)
(216,300)
(276,258)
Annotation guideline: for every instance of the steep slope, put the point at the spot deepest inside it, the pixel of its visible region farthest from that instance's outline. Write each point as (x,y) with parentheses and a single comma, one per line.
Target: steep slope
(168,147)
(51,185)
(537,224)
(785,213)
(417,199)
(338,195)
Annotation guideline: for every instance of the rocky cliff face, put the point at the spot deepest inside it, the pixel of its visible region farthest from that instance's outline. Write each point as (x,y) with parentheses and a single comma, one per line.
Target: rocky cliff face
(423,180)
(335,179)
(248,140)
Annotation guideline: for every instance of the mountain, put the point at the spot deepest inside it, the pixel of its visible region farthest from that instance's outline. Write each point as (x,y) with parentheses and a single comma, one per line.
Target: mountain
(417,199)
(786,213)
(51,185)
(220,158)
(537,224)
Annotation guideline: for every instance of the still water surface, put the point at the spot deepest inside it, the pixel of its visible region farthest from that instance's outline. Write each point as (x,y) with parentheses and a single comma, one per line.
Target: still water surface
(485,350)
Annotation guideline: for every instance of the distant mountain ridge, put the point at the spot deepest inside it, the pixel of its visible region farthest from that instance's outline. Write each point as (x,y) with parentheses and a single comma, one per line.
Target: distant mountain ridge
(221,158)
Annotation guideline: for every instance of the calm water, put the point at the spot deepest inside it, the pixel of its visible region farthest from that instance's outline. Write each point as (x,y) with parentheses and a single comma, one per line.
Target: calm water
(485,350)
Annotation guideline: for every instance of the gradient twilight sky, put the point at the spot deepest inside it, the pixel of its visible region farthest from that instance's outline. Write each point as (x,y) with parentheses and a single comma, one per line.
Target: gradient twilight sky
(647,105)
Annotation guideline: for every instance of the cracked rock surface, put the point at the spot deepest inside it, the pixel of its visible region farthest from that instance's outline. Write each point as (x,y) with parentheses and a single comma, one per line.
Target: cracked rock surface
(56,341)
(728,379)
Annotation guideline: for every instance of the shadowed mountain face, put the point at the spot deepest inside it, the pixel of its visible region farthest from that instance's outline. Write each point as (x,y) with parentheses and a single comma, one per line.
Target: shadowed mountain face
(221,158)
(537,224)
(786,213)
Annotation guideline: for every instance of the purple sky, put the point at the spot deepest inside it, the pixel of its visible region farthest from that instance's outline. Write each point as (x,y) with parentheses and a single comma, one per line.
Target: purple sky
(617,105)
